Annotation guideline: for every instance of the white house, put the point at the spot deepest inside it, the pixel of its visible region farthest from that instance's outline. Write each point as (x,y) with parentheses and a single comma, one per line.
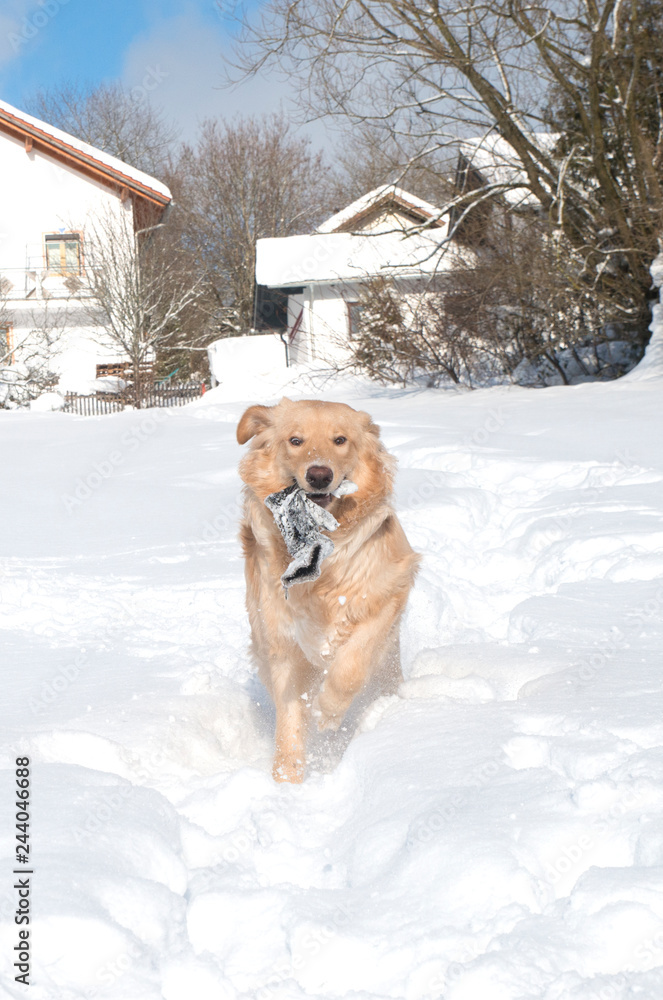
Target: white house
(56,189)
(308,287)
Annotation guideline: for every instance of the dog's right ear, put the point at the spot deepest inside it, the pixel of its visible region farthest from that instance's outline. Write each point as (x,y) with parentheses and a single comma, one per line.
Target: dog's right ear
(254,420)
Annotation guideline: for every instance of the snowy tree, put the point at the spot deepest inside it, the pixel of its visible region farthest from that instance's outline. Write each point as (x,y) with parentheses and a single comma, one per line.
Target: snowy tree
(120,122)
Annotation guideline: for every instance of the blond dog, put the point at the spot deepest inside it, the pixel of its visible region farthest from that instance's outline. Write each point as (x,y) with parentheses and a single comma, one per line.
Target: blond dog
(332,635)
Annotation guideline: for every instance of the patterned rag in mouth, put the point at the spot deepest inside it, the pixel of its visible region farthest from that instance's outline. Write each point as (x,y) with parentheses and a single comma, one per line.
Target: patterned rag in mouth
(301,522)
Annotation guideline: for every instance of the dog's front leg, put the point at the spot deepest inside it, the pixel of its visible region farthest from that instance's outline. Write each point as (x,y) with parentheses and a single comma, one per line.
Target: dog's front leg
(289,683)
(372,643)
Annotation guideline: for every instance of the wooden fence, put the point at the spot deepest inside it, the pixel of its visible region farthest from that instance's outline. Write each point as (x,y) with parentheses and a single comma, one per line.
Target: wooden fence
(106,402)
(92,406)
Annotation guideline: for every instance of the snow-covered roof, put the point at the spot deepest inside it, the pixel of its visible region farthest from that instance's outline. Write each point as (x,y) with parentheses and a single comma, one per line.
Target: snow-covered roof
(332,257)
(387,196)
(493,157)
(78,152)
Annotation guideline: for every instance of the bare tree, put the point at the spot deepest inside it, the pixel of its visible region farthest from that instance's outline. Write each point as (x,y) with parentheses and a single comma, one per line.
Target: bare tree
(139,294)
(403,338)
(122,123)
(243,180)
(442,71)
(368,158)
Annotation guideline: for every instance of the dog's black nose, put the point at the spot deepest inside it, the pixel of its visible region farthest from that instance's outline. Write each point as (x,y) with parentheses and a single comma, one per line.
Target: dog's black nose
(319,477)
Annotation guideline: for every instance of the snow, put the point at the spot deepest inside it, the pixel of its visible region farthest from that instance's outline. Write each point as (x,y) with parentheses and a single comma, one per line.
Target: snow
(334,257)
(652,364)
(48,401)
(107,383)
(492,832)
(497,162)
(231,357)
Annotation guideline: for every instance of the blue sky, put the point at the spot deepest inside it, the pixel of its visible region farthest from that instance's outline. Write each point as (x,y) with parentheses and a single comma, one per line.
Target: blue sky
(173,49)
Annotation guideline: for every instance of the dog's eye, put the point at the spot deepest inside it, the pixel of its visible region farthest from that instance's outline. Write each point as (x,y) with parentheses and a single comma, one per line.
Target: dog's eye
(340,440)
(296,442)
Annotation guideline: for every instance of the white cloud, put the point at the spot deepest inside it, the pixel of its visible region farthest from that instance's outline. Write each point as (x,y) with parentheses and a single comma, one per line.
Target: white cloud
(180,64)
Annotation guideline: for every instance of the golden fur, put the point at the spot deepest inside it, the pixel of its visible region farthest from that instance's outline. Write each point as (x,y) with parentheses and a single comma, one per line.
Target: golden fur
(341,629)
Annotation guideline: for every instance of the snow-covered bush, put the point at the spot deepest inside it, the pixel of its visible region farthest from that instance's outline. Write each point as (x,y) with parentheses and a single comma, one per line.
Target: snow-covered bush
(516,309)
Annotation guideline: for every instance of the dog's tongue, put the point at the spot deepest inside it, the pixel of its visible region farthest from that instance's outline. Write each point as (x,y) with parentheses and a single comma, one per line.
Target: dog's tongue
(322,499)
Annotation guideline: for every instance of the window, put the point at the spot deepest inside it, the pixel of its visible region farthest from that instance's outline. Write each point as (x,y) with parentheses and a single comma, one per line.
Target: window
(354,318)
(63,253)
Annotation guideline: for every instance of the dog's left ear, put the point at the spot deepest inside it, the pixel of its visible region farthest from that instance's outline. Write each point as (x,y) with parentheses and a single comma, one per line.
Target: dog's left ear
(367,423)
(254,420)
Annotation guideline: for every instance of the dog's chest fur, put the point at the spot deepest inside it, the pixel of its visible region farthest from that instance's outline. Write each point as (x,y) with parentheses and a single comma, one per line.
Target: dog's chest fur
(320,616)
(317,632)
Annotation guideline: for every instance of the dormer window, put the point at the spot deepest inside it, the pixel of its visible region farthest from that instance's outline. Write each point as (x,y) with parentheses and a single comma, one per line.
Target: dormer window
(63,253)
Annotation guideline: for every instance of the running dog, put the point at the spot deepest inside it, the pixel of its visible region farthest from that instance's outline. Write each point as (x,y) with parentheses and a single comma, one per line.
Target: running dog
(318,643)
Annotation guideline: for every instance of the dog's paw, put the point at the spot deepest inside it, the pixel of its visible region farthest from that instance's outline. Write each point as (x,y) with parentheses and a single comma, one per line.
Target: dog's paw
(324,720)
(290,769)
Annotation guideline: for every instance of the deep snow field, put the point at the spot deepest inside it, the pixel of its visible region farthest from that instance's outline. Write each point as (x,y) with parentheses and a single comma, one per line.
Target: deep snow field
(493,832)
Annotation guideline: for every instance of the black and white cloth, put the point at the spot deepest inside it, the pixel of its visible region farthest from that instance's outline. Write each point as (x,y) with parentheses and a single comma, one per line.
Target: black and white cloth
(301,522)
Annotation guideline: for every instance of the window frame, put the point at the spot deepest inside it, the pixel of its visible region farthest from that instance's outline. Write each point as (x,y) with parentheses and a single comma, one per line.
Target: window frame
(71,236)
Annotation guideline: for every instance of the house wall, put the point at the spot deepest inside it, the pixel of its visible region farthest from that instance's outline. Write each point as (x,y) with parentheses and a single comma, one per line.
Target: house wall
(323,335)
(42,195)
(299,349)
(77,345)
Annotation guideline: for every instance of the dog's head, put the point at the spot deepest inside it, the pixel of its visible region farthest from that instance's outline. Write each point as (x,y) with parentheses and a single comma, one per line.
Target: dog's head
(315,445)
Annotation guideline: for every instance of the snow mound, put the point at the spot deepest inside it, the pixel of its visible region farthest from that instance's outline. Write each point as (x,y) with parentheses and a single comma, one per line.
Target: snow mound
(651,366)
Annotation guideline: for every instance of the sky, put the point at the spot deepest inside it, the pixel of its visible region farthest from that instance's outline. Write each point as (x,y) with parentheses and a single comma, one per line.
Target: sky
(173,52)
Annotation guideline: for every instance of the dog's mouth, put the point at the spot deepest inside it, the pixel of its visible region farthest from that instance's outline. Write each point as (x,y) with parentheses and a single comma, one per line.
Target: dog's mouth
(322,499)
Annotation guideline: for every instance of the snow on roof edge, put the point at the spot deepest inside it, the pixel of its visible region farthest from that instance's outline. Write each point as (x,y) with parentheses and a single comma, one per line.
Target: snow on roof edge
(112,162)
(492,156)
(329,258)
(373,198)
